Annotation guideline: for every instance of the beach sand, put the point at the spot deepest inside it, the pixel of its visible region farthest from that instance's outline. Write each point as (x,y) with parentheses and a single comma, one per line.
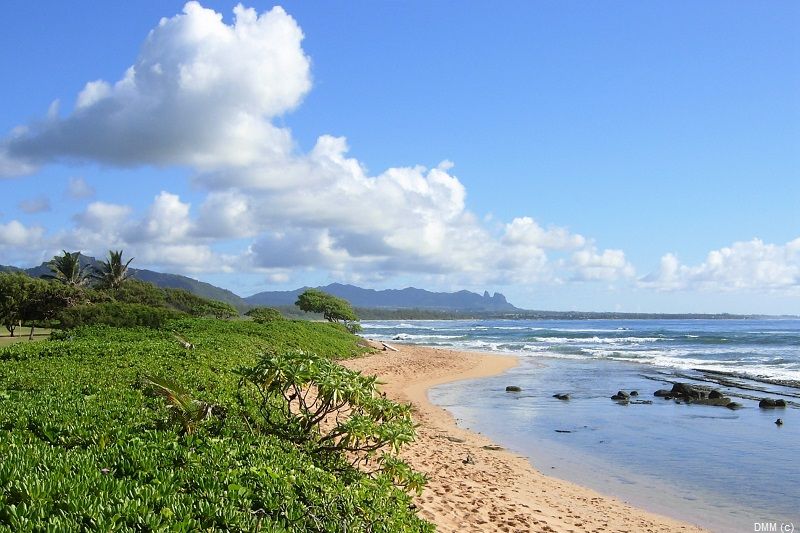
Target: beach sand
(473,485)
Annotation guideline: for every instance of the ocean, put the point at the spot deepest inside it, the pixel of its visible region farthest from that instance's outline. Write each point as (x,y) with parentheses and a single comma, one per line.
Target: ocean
(728,470)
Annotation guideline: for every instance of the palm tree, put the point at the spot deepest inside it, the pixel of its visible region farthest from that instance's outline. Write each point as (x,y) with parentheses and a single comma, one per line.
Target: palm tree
(113,272)
(68,270)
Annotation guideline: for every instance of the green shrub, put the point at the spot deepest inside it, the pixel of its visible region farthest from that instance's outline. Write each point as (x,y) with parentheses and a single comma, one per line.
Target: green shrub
(264,314)
(330,409)
(134,291)
(194,305)
(117,314)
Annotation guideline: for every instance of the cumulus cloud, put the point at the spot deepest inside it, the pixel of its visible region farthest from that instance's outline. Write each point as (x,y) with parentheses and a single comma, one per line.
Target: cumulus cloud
(525,231)
(158,237)
(167,221)
(38,204)
(205,94)
(102,216)
(201,93)
(16,234)
(79,189)
(608,265)
(746,265)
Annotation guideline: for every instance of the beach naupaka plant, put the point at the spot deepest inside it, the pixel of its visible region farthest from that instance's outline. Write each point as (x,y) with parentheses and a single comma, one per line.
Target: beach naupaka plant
(329,409)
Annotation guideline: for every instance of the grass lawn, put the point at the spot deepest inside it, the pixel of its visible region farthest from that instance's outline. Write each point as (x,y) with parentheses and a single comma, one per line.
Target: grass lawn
(21,334)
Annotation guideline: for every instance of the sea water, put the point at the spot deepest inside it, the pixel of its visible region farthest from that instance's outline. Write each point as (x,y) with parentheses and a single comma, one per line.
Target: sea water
(728,470)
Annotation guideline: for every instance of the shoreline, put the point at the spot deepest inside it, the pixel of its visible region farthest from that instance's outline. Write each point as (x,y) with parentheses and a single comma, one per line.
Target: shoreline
(475,485)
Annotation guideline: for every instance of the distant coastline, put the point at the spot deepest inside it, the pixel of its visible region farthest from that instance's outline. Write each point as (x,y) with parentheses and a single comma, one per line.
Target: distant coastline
(433,314)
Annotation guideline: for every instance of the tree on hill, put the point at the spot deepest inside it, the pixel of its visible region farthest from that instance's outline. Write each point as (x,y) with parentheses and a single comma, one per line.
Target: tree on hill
(333,309)
(68,270)
(112,273)
(263,315)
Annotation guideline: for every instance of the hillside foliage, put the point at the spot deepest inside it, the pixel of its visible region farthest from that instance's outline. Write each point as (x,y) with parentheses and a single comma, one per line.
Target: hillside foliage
(143,429)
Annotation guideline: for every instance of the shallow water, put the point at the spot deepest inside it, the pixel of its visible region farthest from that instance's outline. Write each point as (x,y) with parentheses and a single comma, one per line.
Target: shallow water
(722,469)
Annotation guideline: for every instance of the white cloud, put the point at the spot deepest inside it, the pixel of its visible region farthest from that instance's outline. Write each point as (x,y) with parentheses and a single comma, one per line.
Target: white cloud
(608,265)
(204,94)
(38,204)
(103,216)
(167,221)
(16,234)
(79,189)
(524,231)
(227,214)
(746,265)
(201,93)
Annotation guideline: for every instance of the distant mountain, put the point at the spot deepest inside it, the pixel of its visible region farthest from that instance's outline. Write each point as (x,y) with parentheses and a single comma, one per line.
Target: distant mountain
(409,298)
(159,279)
(200,288)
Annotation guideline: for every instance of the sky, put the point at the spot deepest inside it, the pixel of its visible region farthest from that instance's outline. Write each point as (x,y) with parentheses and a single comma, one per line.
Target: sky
(625,156)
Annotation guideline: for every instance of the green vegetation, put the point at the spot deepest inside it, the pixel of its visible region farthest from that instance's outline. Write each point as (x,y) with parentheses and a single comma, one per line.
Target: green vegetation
(333,309)
(264,314)
(145,429)
(113,273)
(116,314)
(114,300)
(32,302)
(193,305)
(68,270)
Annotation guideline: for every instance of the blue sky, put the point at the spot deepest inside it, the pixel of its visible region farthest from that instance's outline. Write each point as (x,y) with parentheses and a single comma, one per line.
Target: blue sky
(632,156)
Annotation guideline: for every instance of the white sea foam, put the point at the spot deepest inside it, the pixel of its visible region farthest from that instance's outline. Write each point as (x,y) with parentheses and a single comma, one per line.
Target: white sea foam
(599,340)
(676,346)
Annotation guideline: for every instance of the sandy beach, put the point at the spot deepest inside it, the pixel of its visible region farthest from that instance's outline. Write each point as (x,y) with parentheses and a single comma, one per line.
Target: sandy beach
(474,485)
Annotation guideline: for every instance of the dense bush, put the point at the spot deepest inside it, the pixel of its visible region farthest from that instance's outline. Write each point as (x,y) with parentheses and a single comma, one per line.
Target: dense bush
(194,305)
(134,291)
(86,445)
(264,314)
(329,409)
(117,314)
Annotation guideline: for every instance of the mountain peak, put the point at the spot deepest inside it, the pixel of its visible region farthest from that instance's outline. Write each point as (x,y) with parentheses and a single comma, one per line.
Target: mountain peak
(407,298)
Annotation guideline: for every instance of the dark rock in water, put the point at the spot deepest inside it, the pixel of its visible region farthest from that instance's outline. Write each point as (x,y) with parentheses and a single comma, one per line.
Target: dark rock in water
(634,393)
(563,431)
(621,396)
(723,402)
(662,393)
(686,391)
(779,422)
(769,403)
(561,396)
(734,405)
(641,402)
(715,394)
(513,388)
